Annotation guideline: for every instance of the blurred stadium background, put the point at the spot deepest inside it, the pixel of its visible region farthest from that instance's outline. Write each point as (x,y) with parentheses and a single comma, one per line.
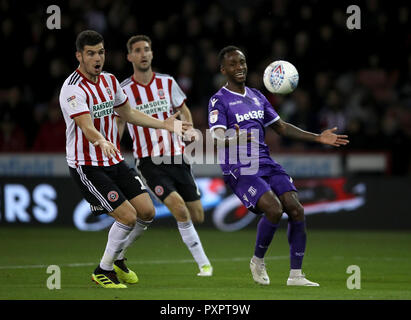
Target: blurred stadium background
(357,80)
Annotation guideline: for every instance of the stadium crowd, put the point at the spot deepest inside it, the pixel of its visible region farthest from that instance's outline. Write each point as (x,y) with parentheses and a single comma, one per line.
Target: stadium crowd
(358,80)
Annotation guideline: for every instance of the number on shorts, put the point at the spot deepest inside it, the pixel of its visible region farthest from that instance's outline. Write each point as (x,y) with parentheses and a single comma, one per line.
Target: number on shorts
(143,187)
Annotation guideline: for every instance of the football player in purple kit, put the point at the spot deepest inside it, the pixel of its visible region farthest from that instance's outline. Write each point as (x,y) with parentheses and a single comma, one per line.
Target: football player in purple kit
(269,190)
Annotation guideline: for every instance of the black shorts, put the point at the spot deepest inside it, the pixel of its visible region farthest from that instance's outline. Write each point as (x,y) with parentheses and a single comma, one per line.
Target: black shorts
(163,179)
(106,188)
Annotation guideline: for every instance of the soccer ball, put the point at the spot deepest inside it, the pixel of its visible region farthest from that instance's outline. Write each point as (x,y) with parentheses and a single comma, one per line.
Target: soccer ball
(280,77)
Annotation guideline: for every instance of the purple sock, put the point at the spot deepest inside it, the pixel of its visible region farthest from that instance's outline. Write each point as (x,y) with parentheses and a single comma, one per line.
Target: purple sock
(297,239)
(265,233)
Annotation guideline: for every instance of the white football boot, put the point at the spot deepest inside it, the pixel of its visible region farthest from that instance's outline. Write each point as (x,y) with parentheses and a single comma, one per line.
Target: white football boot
(297,278)
(259,273)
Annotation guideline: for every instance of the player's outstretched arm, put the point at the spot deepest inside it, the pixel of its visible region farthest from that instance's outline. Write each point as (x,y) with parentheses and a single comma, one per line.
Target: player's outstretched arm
(139,118)
(326,137)
(94,136)
(329,137)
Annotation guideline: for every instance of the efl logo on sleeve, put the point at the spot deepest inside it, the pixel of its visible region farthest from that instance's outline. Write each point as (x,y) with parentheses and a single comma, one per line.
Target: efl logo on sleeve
(72,101)
(213,116)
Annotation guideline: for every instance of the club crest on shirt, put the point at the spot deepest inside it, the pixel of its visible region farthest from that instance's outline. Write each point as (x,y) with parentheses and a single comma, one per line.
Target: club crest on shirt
(252,191)
(159,190)
(112,196)
(213,116)
(257,102)
(161,94)
(109,93)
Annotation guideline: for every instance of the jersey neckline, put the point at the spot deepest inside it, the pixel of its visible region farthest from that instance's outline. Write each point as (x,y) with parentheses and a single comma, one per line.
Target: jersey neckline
(84,77)
(144,85)
(236,93)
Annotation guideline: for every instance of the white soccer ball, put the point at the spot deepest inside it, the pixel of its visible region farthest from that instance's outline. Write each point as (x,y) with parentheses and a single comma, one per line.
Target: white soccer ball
(280,77)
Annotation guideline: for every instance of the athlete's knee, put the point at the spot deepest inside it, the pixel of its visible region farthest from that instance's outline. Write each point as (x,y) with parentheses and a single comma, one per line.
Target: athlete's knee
(125,214)
(274,213)
(177,207)
(129,219)
(197,215)
(271,206)
(295,211)
(147,214)
(181,213)
(144,207)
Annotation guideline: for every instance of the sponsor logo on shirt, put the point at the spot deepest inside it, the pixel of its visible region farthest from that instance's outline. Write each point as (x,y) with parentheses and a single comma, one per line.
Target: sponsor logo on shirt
(250,115)
(233,103)
(103,109)
(152,107)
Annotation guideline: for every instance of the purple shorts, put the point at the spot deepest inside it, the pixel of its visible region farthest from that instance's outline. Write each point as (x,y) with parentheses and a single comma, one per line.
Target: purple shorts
(249,189)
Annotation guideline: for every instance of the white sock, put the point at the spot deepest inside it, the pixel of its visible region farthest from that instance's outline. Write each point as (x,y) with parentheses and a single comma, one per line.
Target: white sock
(257,260)
(295,273)
(117,237)
(192,241)
(136,233)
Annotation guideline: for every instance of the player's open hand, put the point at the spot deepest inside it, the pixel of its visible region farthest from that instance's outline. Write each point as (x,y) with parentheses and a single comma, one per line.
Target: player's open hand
(329,137)
(172,124)
(109,149)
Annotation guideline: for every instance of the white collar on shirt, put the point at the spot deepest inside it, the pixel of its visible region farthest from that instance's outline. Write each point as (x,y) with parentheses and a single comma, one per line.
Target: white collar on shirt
(239,94)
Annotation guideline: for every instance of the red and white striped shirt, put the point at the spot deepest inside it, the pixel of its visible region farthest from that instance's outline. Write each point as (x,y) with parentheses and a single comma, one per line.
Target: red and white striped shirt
(80,96)
(157,99)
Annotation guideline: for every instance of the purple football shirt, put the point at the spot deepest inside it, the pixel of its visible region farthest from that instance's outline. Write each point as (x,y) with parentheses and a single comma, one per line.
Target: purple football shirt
(252,112)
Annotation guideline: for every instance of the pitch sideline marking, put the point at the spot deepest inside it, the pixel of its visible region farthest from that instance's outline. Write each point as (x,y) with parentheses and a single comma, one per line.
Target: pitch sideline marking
(85,264)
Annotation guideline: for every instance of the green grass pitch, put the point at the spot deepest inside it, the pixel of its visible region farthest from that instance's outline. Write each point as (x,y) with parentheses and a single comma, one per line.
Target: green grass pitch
(167,272)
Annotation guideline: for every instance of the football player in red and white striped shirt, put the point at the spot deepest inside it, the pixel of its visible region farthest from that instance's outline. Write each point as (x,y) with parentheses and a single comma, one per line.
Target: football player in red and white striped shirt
(158,95)
(88,99)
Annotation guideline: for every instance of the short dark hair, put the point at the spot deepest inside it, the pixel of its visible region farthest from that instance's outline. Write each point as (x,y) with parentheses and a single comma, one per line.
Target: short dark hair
(225,50)
(137,38)
(88,38)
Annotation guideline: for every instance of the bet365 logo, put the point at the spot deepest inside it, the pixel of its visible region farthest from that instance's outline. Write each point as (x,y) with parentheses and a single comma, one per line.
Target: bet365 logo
(250,115)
